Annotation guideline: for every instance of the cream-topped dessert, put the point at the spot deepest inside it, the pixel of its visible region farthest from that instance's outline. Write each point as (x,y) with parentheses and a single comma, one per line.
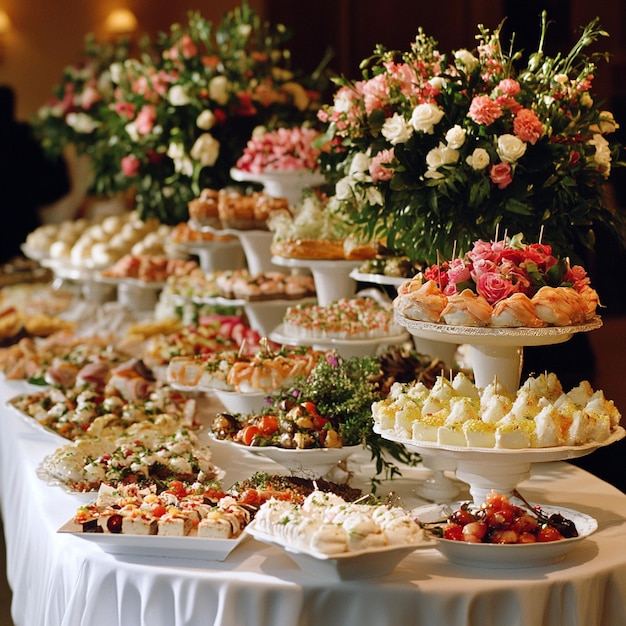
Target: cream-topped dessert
(456,413)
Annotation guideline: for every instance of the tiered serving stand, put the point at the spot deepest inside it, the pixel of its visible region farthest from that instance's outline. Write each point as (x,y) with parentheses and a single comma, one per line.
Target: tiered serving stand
(496,352)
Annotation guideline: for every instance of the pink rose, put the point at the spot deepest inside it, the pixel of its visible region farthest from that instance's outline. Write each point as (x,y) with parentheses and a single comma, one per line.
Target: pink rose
(459,271)
(482,266)
(376,93)
(483,250)
(378,167)
(500,175)
(130,165)
(493,287)
(577,275)
(483,110)
(527,126)
(145,119)
(125,109)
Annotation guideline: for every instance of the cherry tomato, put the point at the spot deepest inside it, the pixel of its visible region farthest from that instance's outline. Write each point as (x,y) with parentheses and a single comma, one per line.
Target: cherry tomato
(177,488)
(268,424)
(249,433)
(159,511)
(454,532)
(548,533)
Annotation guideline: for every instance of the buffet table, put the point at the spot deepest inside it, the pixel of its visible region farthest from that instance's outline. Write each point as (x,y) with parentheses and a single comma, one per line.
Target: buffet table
(59,579)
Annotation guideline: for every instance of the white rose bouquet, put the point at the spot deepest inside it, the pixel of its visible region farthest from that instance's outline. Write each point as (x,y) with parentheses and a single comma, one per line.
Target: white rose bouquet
(433,152)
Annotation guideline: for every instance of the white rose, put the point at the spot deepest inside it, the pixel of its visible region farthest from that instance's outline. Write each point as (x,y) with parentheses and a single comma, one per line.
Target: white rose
(178,96)
(467,59)
(117,71)
(456,137)
(425,117)
(441,155)
(438,82)
(184,166)
(218,89)
(175,150)
(131,129)
(344,189)
(606,124)
(479,159)
(206,120)
(81,122)
(359,166)
(561,79)
(206,149)
(395,129)
(510,148)
(602,155)
(374,196)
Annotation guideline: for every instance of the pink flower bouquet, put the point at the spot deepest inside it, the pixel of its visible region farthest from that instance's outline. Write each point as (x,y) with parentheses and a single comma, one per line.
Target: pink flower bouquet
(281,150)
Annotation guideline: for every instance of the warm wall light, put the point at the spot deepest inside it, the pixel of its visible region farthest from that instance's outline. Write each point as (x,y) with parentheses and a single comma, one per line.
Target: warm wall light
(5,27)
(5,23)
(121,22)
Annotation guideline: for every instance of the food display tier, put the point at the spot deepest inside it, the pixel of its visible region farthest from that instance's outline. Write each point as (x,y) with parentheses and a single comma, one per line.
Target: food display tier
(498,469)
(495,351)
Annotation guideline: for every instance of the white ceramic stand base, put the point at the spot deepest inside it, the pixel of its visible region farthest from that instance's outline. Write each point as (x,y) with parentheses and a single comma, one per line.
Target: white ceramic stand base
(256,247)
(224,256)
(332,277)
(286,184)
(438,487)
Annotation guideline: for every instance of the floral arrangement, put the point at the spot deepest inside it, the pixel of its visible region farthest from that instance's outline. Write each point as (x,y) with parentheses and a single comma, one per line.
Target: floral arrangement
(74,115)
(431,151)
(281,150)
(175,119)
(498,269)
(343,390)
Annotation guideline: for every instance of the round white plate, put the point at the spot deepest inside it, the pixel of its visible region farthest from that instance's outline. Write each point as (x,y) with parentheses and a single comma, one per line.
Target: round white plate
(508,556)
(480,335)
(378,279)
(346,347)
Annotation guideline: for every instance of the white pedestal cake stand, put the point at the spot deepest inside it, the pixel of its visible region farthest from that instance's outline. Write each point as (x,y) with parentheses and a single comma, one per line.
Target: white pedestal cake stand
(286,184)
(332,277)
(487,469)
(496,352)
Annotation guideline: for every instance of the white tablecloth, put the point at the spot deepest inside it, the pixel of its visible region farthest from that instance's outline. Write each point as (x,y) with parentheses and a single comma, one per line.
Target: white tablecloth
(64,580)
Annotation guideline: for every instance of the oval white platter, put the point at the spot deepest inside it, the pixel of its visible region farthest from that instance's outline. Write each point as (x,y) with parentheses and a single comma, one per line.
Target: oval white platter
(508,556)
(372,563)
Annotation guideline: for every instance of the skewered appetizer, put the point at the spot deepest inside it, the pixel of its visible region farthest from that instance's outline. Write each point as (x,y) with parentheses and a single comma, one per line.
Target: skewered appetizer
(504,284)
